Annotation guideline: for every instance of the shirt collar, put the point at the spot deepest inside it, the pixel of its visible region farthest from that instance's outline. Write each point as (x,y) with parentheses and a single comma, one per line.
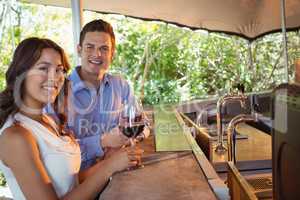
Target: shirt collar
(77,83)
(106,79)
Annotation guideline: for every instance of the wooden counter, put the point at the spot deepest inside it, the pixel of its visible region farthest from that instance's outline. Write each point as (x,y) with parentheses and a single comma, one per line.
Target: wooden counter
(257,146)
(166,175)
(252,153)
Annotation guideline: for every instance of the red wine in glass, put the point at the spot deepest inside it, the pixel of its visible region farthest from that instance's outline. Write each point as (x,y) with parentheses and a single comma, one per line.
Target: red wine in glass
(132,121)
(132,131)
(131,124)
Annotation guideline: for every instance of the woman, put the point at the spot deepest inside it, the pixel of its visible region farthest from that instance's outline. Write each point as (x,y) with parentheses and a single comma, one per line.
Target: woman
(39,159)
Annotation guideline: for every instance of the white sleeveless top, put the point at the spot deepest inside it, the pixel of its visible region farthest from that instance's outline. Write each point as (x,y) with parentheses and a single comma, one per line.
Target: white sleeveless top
(60,156)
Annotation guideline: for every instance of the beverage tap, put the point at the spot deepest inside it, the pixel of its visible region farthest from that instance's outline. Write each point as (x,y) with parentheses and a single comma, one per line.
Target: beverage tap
(231,133)
(240,97)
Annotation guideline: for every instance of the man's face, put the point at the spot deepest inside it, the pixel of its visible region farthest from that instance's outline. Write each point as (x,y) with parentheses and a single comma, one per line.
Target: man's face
(96,53)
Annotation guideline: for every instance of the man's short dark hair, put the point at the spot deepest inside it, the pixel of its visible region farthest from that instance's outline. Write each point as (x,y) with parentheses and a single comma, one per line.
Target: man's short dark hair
(98,25)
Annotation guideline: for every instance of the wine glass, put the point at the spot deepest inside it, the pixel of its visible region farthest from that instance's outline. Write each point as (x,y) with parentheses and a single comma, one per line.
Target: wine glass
(132,120)
(132,123)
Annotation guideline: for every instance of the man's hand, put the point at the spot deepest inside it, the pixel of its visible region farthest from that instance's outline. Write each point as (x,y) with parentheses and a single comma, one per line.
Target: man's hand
(145,134)
(113,139)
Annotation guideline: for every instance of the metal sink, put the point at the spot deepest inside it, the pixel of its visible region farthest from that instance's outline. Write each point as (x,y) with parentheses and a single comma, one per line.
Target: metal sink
(263,123)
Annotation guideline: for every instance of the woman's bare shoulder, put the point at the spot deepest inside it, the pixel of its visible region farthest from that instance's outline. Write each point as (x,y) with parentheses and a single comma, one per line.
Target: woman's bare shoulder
(15,139)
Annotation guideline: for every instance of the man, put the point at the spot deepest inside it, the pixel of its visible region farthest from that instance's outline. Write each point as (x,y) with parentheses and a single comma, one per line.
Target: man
(96,96)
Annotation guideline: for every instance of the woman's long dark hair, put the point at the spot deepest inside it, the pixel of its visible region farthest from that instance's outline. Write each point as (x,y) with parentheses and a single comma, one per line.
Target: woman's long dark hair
(27,53)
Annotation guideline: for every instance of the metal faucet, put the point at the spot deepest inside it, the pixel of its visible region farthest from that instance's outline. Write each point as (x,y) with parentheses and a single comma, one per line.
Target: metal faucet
(231,133)
(220,148)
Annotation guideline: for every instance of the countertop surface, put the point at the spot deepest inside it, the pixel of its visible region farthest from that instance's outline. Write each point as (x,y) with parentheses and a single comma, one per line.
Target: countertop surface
(166,175)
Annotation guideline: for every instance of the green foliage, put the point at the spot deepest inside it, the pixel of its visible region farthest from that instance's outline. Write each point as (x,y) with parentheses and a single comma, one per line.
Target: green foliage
(185,65)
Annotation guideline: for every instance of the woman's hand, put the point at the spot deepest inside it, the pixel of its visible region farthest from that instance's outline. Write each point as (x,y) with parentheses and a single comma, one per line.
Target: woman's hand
(124,158)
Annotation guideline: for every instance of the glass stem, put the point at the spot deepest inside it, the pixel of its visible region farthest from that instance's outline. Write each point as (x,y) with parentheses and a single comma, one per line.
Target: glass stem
(132,143)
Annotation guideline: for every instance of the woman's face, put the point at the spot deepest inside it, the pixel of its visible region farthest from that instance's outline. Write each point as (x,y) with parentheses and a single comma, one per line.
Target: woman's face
(44,80)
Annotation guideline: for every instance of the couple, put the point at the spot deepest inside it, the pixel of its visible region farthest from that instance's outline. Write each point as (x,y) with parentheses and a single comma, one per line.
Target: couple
(39,155)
